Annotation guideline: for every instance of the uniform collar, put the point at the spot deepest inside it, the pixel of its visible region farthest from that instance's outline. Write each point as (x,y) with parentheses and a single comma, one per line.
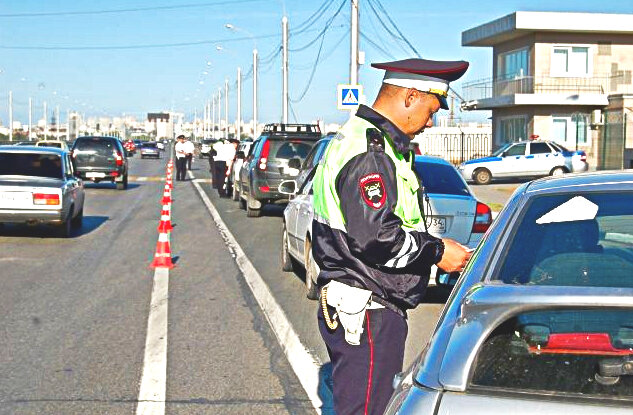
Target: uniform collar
(400,140)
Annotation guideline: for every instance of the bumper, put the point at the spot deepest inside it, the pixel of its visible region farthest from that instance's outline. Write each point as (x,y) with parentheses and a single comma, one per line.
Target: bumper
(110,175)
(30,216)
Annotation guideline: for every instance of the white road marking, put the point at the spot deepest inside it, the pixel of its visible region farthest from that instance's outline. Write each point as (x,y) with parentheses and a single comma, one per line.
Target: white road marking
(152,393)
(305,365)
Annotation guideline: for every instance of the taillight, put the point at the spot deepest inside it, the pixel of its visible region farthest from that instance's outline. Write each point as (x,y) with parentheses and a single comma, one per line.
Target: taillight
(263,158)
(264,189)
(483,218)
(119,158)
(45,199)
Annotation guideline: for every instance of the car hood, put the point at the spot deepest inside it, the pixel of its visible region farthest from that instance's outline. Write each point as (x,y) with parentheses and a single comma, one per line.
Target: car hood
(28,181)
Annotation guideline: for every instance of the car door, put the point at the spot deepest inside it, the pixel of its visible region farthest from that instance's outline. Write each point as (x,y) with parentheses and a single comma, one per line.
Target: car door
(249,163)
(513,162)
(540,159)
(304,217)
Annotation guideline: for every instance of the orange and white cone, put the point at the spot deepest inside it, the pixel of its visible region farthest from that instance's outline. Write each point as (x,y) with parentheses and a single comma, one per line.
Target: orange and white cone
(166,210)
(166,197)
(162,257)
(164,226)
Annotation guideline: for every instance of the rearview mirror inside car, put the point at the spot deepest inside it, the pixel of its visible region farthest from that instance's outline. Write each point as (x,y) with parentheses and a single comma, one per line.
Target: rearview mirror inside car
(288,187)
(294,163)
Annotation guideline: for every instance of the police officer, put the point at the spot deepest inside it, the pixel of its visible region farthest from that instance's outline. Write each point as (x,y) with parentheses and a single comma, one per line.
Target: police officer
(181,158)
(370,238)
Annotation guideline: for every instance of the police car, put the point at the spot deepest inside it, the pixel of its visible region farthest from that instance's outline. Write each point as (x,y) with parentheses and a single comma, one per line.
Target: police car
(525,159)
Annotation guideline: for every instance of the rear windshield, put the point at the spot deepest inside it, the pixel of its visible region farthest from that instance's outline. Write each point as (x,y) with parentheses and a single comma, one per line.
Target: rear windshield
(151,145)
(95,144)
(573,240)
(56,145)
(290,149)
(441,179)
(37,165)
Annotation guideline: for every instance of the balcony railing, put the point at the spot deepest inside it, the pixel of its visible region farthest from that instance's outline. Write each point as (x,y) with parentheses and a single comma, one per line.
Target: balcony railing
(491,88)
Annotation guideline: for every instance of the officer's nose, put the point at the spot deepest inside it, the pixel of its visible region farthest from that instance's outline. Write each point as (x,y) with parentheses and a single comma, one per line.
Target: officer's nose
(429,123)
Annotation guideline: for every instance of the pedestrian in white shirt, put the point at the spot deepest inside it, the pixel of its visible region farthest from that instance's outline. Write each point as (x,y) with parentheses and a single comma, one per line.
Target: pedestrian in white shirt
(189,149)
(181,158)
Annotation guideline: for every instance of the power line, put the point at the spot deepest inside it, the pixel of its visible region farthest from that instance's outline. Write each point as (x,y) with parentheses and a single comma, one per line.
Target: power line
(312,19)
(402,36)
(129,10)
(381,39)
(323,31)
(375,45)
(325,56)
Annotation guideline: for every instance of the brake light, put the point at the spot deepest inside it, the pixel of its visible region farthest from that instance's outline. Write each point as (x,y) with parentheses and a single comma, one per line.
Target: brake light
(264,188)
(114,174)
(45,199)
(483,218)
(579,343)
(119,158)
(583,157)
(263,158)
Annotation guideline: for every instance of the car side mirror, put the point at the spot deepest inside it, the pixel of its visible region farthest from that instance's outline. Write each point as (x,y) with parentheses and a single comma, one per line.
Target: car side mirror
(288,187)
(239,155)
(294,163)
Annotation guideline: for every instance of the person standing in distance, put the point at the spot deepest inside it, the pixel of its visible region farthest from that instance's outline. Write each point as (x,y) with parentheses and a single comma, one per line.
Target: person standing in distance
(181,158)
(370,238)
(189,150)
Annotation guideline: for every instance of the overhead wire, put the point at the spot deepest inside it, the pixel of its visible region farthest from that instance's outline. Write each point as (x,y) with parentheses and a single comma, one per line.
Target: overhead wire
(325,56)
(322,32)
(402,36)
(376,46)
(312,19)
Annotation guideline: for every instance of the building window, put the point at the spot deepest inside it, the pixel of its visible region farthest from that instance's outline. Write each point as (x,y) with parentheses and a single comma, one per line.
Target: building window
(571,61)
(512,129)
(570,130)
(514,64)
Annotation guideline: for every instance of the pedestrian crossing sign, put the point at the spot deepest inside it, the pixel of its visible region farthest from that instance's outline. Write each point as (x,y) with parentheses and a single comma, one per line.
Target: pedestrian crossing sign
(349,96)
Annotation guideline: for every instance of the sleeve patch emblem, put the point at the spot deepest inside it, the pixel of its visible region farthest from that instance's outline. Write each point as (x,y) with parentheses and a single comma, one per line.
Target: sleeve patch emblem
(372,189)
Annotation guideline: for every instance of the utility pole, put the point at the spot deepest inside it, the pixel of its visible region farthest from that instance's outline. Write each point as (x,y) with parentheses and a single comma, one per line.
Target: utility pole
(220,111)
(226,107)
(284,69)
(57,122)
(10,115)
(353,71)
(45,121)
(255,93)
(213,117)
(238,129)
(30,118)
(68,125)
(195,123)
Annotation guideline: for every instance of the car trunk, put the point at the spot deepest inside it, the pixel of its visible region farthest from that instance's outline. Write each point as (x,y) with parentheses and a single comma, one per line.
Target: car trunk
(17,192)
(457,217)
(280,153)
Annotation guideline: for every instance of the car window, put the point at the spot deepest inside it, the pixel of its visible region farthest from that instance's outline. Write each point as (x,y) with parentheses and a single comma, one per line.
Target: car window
(306,188)
(54,145)
(561,352)
(290,149)
(68,166)
(441,178)
(96,144)
(569,240)
(501,149)
(516,150)
(36,165)
(540,148)
(256,149)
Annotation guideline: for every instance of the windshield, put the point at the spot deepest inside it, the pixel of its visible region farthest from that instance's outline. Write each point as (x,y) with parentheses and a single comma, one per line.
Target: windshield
(36,165)
(500,151)
(441,178)
(573,240)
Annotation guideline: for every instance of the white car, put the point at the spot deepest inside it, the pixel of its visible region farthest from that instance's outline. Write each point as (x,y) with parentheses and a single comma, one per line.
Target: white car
(451,211)
(242,151)
(525,159)
(205,147)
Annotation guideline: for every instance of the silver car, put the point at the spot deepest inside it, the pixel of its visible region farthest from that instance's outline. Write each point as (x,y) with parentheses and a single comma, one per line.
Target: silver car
(541,320)
(38,185)
(525,159)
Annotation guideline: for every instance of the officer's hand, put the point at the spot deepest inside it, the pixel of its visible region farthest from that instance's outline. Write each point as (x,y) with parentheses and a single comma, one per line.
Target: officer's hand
(455,256)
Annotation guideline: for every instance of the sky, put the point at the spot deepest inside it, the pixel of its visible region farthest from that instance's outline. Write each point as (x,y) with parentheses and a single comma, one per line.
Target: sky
(131,57)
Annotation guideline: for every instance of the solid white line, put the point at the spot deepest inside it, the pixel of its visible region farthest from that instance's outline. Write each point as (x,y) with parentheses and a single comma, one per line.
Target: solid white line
(152,393)
(305,365)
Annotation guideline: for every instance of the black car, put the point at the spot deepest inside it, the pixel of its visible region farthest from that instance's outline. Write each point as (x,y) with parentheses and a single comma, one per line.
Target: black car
(269,163)
(100,159)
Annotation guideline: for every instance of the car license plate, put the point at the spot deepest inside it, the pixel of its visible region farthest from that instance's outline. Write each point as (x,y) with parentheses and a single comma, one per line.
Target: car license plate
(15,199)
(93,174)
(437,224)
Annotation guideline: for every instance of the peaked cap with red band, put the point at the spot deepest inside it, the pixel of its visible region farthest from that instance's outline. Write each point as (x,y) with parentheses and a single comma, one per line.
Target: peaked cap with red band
(424,75)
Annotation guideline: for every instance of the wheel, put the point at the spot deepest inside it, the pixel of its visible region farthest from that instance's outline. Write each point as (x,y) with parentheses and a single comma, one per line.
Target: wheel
(286,259)
(64,229)
(77,221)
(235,195)
(312,272)
(558,171)
(242,203)
(251,212)
(122,185)
(482,176)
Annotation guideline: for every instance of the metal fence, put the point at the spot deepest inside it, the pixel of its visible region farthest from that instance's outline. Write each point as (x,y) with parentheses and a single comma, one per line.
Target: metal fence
(455,148)
(617,125)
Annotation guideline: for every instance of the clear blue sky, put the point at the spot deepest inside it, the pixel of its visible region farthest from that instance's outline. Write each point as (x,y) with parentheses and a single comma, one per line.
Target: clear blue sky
(139,80)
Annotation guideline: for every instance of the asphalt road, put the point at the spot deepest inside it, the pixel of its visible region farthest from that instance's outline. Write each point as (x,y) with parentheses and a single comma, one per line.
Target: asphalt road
(73,312)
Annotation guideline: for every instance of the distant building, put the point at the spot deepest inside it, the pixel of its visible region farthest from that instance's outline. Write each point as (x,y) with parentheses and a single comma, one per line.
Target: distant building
(566,77)
(161,123)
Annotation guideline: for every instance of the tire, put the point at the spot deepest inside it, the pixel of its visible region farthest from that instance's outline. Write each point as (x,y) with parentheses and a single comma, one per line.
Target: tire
(312,290)
(250,212)
(65,229)
(482,176)
(558,171)
(242,203)
(122,185)
(78,220)
(235,195)
(286,259)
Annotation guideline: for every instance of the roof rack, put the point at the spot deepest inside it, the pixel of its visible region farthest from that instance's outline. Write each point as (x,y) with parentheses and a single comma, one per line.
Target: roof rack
(279,128)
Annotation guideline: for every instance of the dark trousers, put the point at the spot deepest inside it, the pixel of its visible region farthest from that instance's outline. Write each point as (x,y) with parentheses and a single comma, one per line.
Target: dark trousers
(363,375)
(189,158)
(219,175)
(181,168)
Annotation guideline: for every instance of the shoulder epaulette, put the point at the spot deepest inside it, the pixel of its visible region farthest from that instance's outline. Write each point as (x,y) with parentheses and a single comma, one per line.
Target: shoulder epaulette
(375,140)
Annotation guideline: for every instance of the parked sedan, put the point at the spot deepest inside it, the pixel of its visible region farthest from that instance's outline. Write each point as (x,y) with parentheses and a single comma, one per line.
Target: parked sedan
(540,320)
(149,149)
(525,159)
(38,185)
(451,211)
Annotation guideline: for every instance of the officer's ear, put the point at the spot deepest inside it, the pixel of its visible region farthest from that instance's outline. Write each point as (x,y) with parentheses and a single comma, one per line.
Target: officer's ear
(411,95)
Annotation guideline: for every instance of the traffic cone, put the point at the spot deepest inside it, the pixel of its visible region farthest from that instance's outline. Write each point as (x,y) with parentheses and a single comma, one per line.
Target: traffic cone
(162,257)
(164,226)
(166,210)
(166,198)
